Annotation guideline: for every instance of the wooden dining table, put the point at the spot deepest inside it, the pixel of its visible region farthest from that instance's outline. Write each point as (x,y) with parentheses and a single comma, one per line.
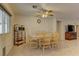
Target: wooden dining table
(42,37)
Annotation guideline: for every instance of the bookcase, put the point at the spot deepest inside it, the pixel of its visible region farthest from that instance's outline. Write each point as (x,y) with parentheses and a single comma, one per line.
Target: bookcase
(19,34)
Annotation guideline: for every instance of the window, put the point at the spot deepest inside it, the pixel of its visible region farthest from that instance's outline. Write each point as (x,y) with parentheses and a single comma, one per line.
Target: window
(0,21)
(4,21)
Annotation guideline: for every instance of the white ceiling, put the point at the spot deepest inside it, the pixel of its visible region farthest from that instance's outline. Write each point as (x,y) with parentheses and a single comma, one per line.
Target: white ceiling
(61,10)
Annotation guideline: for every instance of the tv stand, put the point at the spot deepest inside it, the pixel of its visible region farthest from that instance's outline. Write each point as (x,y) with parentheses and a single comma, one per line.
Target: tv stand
(70,35)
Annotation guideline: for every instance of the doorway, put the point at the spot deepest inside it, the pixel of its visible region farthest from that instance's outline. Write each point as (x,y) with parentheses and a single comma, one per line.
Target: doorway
(60,29)
(77,30)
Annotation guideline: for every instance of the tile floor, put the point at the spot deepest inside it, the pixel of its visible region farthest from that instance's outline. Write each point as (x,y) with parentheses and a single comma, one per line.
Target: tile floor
(66,48)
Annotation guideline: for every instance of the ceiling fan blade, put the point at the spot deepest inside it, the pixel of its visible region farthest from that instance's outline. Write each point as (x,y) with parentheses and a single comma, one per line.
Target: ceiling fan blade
(50,11)
(50,15)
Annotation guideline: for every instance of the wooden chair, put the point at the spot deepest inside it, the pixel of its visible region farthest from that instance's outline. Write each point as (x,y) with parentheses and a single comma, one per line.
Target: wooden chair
(44,43)
(54,39)
(43,34)
(33,42)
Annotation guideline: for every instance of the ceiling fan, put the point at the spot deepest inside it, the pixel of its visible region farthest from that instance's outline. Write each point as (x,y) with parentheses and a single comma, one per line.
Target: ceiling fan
(42,12)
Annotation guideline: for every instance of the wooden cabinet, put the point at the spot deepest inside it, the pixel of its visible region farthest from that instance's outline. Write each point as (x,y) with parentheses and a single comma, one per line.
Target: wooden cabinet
(70,35)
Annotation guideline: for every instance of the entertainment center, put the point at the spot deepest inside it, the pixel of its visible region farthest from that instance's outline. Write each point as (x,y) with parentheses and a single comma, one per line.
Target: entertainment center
(70,33)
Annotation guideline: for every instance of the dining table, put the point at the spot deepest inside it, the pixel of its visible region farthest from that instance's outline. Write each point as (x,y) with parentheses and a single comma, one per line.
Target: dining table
(41,37)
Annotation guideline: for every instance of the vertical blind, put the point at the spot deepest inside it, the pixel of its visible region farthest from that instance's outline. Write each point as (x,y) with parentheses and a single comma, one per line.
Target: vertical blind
(4,21)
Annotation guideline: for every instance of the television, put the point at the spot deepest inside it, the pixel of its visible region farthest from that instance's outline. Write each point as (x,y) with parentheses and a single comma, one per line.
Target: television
(71,28)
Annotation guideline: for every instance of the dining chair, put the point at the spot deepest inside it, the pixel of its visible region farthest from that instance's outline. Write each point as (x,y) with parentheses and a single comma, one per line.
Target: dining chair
(33,42)
(44,43)
(41,33)
(54,39)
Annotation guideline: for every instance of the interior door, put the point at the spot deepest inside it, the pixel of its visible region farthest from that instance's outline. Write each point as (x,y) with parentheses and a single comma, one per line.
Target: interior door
(59,28)
(77,29)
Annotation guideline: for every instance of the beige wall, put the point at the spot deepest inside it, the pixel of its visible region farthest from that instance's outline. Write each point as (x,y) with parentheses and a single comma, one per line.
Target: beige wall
(6,40)
(30,22)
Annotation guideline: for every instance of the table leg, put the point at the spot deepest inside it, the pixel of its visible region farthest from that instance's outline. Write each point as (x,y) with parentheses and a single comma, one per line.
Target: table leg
(42,51)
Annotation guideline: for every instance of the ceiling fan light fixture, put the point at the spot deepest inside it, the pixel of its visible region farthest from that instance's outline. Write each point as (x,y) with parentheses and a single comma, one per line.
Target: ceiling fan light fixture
(43,12)
(44,15)
(47,13)
(50,11)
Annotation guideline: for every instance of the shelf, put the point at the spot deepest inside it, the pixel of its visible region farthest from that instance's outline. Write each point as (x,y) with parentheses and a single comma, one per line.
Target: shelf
(19,34)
